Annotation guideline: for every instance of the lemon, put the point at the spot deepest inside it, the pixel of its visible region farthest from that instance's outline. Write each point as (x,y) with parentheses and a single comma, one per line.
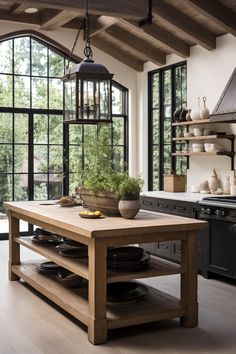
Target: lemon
(97,213)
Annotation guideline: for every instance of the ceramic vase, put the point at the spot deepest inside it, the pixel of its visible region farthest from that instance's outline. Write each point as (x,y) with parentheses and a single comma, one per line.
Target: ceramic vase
(204,112)
(188,115)
(195,112)
(227,186)
(129,208)
(214,182)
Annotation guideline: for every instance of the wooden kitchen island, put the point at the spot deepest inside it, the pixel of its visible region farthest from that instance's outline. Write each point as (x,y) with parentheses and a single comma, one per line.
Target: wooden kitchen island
(89,305)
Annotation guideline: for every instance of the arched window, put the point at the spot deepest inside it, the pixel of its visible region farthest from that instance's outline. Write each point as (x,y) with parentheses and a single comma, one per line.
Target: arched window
(38,155)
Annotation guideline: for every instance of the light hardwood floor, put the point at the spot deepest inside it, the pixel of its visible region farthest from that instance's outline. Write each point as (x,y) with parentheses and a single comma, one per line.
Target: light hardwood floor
(30,325)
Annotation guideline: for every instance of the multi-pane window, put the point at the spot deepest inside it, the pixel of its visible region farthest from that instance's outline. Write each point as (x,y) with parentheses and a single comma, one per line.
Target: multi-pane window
(39,156)
(167,92)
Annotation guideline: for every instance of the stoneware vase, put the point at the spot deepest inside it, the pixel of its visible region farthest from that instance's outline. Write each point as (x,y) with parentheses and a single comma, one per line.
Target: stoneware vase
(188,115)
(204,112)
(214,182)
(129,208)
(195,112)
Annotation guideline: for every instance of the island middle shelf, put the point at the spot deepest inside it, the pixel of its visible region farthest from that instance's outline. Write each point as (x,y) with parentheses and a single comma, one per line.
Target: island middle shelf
(159,267)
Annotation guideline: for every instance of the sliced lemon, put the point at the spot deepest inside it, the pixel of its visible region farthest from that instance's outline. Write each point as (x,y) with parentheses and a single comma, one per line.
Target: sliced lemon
(97,213)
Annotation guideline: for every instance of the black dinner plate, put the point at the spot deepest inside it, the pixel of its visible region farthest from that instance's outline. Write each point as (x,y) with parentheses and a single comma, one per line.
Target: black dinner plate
(125,253)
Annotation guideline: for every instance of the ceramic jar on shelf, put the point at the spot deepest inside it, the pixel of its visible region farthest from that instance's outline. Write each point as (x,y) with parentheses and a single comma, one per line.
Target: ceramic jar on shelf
(195,112)
(204,111)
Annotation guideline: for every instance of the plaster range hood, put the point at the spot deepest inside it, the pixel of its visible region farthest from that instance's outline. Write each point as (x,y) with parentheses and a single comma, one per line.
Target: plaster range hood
(225,110)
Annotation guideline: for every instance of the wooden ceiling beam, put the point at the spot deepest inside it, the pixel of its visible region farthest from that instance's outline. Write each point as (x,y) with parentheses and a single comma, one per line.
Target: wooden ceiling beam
(19,9)
(217,11)
(100,24)
(57,20)
(118,53)
(167,39)
(154,54)
(179,20)
(133,9)
(21,18)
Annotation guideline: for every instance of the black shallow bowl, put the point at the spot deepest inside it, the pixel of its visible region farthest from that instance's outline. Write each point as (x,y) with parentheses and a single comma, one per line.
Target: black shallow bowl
(125,291)
(70,242)
(69,279)
(75,252)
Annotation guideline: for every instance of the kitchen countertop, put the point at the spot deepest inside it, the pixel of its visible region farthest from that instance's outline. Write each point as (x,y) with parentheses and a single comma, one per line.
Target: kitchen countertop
(183,196)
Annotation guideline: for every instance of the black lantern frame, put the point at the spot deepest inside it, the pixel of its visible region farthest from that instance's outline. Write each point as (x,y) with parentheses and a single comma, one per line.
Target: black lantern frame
(87,88)
(87,94)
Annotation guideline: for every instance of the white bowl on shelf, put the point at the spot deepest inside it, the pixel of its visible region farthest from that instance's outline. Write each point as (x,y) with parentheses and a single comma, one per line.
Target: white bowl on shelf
(210,147)
(197,147)
(197,131)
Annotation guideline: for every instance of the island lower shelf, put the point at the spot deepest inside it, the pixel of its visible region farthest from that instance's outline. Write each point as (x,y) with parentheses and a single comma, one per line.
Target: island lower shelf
(155,306)
(159,267)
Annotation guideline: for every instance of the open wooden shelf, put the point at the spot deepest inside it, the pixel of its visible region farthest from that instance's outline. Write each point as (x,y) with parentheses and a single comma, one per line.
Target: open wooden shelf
(192,122)
(159,267)
(74,301)
(75,265)
(206,137)
(210,153)
(153,307)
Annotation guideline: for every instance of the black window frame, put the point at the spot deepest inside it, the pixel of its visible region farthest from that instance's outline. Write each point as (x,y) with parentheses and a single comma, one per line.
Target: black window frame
(161,72)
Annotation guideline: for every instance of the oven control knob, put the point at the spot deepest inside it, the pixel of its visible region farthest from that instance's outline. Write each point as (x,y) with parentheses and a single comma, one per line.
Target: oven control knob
(208,211)
(202,211)
(222,213)
(217,212)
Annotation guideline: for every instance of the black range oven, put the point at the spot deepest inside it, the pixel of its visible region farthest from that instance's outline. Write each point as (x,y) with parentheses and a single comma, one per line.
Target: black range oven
(220,242)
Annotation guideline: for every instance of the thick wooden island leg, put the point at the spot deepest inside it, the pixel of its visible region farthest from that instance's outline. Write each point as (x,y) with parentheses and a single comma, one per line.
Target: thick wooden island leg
(97,321)
(189,280)
(14,248)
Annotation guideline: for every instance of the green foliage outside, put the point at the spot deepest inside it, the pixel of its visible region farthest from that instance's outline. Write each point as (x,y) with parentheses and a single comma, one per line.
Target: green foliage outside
(99,174)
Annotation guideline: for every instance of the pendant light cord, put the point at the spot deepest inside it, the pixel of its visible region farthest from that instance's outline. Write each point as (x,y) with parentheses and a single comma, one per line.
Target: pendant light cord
(75,42)
(87,50)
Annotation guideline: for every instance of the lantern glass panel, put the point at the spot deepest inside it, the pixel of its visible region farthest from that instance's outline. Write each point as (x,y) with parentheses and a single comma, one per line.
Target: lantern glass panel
(70,100)
(104,99)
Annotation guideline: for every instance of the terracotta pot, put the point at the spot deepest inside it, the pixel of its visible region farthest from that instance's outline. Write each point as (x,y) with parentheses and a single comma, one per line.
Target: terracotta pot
(129,208)
(106,202)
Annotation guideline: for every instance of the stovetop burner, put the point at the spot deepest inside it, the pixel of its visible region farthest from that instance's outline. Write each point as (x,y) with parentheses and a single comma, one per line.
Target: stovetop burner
(223,199)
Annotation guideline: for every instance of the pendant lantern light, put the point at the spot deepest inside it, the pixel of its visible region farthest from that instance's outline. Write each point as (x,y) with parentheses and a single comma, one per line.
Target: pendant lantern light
(87,88)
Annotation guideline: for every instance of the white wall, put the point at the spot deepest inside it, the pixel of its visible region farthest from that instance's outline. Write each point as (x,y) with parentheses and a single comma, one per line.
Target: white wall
(207,75)
(122,74)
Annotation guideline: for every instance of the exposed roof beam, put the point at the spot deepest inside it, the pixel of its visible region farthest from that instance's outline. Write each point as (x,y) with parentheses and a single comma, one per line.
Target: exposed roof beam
(100,24)
(217,11)
(25,18)
(179,20)
(152,53)
(19,9)
(171,42)
(58,20)
(133,9)
(118,53)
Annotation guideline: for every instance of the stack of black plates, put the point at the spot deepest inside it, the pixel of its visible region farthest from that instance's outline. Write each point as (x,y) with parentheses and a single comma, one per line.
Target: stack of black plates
(125,291)
(127,259)
(44,236)
(48,268)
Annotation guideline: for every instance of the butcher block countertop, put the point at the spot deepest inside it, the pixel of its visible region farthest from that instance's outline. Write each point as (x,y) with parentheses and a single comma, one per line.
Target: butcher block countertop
(67,218)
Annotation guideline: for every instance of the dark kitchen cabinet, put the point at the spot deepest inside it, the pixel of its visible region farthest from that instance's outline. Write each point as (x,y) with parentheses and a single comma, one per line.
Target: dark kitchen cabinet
(221,244)
(172,249)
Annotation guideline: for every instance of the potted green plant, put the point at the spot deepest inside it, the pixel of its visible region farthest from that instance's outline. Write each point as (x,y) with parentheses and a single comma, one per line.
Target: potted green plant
(102,187)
